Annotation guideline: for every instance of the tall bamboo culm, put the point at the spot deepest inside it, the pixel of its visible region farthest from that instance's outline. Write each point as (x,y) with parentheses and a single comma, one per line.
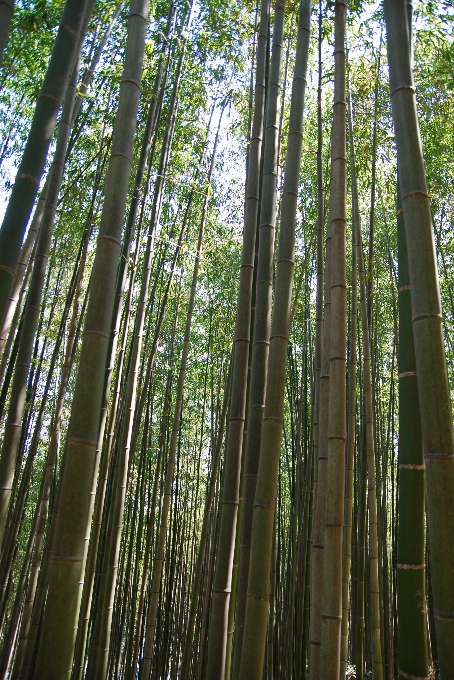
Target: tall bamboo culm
(217,642)
(254,640)
(31,166)
(374,585)
(261,320)
(79,475)
(334,512)
(411,573)
(434,396)
(351,442)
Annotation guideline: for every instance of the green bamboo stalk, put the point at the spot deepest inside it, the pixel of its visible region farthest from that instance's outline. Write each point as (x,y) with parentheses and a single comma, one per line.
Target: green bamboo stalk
(254,641)
(262,318)
(31,166)
(17,399)
(163,519)
(80,472)
(204,535)
(6,14)
(231,479)
(434,399)
(334,512)
(24,258)
(374,600)
(323,324)
(348,536)
(411,573)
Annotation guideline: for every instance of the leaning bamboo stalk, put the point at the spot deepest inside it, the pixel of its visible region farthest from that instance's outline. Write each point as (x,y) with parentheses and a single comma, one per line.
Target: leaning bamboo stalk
(105,446)
(42,505)
(79,475)
(17,399)
(434,396)
(31,166)
(12,342)
(254,640)
(22,265)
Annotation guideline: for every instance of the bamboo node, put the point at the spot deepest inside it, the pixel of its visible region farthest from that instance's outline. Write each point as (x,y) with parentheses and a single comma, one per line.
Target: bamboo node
(415,193)
(407,374)
(420,317)
(93,332)
(110,238)
(230,502)
(439,613)
(316,642)
(331,616)
(23,175)
(412,567)
(70,30)
(50,98)
(402,288)
(118,153)
(412,677)
(79,440)
(263,505)
(276,420)
(411,466)
(442,456)
(403,87)
(128,80)
(257,597)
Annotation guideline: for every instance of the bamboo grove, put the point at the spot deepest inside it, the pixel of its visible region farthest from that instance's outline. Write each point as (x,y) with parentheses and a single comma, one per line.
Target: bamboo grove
(226,340)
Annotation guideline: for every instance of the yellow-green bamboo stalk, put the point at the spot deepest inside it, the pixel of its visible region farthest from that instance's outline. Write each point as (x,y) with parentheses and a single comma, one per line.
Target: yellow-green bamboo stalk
(334,511)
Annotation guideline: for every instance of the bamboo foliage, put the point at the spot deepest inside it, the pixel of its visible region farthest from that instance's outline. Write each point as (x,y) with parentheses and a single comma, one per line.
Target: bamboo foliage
(195,487)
